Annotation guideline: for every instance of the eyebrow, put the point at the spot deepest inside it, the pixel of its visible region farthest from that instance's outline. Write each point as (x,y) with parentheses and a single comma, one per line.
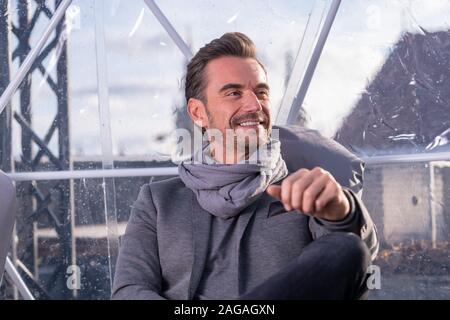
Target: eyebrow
(240,86)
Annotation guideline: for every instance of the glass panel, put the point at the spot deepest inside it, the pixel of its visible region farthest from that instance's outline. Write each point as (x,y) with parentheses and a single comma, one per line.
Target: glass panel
(392,56)
(59,112)
(381,88)
(56,111)
(44,244)
(146,100)
(144,76)
(396,91)
(409,205)
(146,68)
(145,71)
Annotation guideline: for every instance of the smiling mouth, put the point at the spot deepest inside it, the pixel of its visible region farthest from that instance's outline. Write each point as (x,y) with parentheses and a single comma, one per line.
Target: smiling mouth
(250,123)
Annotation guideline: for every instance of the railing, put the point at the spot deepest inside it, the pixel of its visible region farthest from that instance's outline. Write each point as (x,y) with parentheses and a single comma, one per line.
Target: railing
(173,171)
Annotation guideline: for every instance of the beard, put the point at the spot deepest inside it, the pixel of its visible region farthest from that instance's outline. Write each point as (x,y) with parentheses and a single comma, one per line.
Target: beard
(238,139)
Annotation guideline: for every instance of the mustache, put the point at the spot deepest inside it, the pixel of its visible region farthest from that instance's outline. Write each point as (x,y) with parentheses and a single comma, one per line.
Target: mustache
(255,116)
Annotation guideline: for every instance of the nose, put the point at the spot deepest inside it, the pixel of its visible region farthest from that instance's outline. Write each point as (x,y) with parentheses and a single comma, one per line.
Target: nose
(251,103)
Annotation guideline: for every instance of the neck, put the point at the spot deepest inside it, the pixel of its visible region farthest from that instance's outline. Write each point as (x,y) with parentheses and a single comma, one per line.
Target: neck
(224,155)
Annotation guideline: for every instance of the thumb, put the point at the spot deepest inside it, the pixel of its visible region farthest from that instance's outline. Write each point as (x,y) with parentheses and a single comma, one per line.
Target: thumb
(274,191)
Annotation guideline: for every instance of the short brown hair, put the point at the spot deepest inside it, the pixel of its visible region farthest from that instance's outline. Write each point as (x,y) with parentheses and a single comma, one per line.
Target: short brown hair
(230,44)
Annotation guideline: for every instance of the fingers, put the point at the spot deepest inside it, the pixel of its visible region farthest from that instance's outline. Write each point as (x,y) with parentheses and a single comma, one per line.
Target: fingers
(304,196)
(313,192)
(329,193)
(274,191)
(332,203)
(305,189)
(287,184)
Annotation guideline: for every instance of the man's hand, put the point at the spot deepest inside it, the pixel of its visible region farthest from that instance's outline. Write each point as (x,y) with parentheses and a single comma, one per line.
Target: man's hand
(313,192)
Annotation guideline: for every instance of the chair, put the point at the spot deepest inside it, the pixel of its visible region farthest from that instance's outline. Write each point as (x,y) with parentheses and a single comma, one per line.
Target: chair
(7,217)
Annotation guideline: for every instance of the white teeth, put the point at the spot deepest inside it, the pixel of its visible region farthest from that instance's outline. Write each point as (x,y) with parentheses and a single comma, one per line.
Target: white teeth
(243,124)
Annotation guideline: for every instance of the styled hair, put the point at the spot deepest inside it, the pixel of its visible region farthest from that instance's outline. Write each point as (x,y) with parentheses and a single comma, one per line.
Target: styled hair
(234,44)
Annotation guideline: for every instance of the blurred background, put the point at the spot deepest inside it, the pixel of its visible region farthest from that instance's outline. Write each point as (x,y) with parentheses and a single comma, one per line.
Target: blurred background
(106,92)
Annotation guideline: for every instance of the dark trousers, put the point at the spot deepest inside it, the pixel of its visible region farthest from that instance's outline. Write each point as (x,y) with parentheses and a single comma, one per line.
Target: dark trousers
(331,267)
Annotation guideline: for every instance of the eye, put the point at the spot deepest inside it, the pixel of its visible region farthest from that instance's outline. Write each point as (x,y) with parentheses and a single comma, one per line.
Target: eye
(234,93)
(263,94)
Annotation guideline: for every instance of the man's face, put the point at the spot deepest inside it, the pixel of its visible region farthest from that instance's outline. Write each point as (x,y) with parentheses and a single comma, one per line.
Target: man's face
(237,97)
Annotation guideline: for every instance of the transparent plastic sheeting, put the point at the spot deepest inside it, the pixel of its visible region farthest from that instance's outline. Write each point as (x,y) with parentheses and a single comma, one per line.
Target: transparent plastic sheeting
(382,85)
(146,69)
(39,245)
(125,67)
(409,205)
(109,187)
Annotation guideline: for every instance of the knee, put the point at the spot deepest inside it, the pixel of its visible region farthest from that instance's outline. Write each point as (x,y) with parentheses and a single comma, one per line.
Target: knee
(352,249)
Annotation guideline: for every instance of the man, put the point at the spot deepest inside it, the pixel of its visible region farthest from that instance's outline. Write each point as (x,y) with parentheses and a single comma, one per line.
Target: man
(272,219)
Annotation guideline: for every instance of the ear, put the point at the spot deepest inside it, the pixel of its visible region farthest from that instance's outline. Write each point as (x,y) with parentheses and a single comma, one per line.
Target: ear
(197,112)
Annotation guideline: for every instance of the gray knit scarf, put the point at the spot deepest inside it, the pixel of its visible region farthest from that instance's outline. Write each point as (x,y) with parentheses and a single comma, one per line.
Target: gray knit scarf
(225,190)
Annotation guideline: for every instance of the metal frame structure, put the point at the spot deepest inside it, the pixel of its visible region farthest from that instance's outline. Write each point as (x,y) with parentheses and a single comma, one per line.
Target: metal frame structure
(5,117)
(11,270)
(173,171)
(318,27)
(297,103)
(31,60)
(34,202)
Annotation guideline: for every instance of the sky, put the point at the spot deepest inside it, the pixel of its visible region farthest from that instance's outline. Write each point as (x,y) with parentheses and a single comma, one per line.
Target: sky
(145,68)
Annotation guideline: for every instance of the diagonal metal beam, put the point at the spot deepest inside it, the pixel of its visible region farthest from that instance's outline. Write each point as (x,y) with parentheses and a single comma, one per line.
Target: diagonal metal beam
(315,56)
(173,34)
(317,29)
(20,35)
(51,83)
(43,6)
(39,142)
(45,52)
(47,138)
(40,58)
(11,270)
(15,31)
(43,202)
(26,33)
(26,65)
